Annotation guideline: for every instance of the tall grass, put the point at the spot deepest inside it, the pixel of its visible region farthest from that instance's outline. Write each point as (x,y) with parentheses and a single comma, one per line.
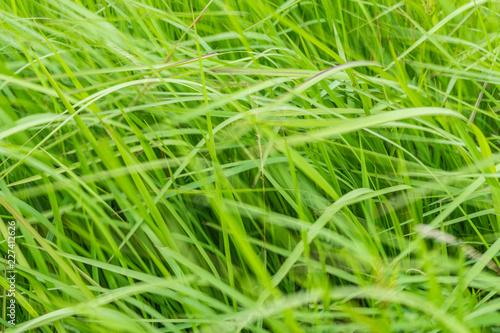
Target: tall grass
(251,166)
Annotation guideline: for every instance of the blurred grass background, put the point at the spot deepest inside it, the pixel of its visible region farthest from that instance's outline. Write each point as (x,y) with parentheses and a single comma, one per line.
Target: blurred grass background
(251,166)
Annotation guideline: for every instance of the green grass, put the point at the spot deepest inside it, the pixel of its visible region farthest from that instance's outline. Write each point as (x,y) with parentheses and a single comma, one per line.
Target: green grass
(251,166)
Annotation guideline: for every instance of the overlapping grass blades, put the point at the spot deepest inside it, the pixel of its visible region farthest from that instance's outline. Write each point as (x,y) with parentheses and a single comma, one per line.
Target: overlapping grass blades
(255,166)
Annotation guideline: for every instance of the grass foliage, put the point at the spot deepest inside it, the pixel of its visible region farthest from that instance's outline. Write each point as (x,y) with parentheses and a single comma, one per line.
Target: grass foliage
(252,166)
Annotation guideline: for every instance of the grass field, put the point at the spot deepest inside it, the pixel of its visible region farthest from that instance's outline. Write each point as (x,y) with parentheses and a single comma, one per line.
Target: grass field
(250,166)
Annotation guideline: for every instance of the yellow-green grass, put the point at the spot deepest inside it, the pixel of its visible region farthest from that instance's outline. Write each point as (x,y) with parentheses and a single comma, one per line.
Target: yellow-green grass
(251,166)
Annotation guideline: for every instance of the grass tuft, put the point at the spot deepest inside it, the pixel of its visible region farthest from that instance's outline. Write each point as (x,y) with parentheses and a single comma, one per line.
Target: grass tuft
(250,166)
